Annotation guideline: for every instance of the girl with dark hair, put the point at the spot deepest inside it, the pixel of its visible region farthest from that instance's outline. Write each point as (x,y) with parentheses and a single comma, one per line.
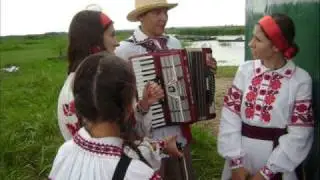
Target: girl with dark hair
(266,127)
(104,91)
(92,32)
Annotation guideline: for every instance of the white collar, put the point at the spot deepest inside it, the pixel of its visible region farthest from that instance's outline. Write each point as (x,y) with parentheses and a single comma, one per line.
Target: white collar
(287,70)
(106,145)
(139,36)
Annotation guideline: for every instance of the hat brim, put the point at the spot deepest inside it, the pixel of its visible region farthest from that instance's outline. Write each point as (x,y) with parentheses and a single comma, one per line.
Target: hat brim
(133,15)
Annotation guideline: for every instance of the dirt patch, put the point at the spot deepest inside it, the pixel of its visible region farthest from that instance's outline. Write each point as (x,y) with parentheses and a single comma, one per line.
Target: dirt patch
(222,84)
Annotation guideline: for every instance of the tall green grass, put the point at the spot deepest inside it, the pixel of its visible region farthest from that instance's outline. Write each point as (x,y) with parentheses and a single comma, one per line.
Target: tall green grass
(29,133)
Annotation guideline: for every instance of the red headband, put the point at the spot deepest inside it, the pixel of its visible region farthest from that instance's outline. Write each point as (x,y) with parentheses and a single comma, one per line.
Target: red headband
(273,31)
(104,20)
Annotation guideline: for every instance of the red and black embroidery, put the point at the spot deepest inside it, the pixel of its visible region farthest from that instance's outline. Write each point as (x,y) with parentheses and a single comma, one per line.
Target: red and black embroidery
(233,100)
(269,95)
(73,128)
(251,96)
(69,109)
(104,149)
(302,113)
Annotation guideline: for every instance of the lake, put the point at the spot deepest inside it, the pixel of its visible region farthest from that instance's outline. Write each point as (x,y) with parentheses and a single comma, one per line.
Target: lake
(226,53)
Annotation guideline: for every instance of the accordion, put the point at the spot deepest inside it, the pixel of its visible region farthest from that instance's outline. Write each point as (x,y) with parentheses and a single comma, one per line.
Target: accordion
(188,84)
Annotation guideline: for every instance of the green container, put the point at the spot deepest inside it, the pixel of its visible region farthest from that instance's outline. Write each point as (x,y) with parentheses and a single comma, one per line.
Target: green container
(305,14)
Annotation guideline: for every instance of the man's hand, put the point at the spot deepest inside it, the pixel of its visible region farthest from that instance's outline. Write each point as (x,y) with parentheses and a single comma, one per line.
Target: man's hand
(152,93)
(212,63)
(171,147)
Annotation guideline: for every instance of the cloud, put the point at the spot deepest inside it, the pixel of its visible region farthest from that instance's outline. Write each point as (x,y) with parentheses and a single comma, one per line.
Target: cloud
(39,16)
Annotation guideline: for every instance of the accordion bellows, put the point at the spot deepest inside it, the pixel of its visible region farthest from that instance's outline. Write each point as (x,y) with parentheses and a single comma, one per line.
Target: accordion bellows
(188,83)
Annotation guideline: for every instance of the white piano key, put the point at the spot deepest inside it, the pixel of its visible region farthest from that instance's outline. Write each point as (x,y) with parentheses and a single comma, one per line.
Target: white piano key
(143,61)
(157,116)
(141,58)
(144,80)
(155,106)
(158,121)
(145,75)
(138,68)
(157,110)
(159,125)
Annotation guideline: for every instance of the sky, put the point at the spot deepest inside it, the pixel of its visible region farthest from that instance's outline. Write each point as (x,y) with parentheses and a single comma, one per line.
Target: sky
(20,17)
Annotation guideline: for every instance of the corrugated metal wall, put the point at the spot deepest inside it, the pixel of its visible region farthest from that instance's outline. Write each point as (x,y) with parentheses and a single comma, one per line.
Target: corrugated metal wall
(305,14)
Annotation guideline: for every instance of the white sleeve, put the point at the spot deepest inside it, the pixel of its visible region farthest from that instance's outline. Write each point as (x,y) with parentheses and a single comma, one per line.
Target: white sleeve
(229,138)
(152,154)
(137,170)
(122,50)
(295,145)
(174,43)
(128,49)
(143,122)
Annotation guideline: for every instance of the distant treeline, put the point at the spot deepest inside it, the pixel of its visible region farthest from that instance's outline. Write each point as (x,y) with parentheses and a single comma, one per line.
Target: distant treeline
(203,31)
(208,31)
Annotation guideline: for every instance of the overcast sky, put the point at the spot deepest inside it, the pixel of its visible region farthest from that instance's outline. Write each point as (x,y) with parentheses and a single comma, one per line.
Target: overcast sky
(20,17)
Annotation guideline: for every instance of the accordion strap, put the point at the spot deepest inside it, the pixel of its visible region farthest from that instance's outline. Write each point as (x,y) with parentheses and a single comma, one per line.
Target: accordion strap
(122,167)
(149,44)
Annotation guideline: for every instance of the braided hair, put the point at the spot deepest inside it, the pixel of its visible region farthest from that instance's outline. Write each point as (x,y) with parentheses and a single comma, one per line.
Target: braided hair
(104,89)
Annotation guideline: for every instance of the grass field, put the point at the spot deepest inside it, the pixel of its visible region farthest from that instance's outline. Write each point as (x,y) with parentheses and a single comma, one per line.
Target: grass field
(29,133)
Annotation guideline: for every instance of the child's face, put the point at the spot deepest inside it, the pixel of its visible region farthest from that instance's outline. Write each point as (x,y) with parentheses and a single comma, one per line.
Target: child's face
(109,39)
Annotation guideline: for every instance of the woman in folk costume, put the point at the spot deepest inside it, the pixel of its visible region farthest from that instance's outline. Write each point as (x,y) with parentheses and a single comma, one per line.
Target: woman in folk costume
(104,91)
(266,128)
(91,32)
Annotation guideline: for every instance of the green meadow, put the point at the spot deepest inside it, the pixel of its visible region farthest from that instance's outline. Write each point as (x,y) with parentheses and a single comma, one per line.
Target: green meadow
(29,132)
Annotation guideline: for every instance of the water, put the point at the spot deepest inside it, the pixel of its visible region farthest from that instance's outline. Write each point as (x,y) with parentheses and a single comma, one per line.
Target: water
(226,53)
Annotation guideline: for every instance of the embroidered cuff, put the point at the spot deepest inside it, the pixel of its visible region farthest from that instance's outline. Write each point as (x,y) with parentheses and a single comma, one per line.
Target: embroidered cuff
(236,163)
(266,173)
(161,145)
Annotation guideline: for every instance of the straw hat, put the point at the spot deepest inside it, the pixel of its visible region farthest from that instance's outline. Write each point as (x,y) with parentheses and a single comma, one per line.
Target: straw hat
(142,6)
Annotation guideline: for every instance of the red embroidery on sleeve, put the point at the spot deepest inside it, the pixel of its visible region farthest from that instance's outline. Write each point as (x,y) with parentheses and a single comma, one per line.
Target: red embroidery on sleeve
(233,99)
(70,110)
(302,114)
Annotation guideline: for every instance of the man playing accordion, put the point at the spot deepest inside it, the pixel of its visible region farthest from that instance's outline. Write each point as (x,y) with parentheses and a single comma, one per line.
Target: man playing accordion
(150,37)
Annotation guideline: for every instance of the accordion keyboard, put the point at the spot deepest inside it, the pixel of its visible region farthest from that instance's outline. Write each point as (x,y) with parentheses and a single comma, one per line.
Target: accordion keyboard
(144,70)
